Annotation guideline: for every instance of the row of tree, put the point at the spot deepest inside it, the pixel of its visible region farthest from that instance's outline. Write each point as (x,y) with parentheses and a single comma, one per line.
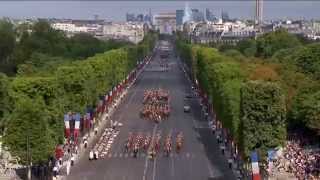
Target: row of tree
(39,43)
(33,106)
(296,64)
(256,97)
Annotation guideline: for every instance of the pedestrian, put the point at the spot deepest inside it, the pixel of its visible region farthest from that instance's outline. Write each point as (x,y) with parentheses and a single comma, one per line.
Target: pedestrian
(91,155)
(214,128)
(55,171)
(96,155)
(72,160)
(226,142)
(95,131)
(68,167)
(76,150)
(222,147)
(234,156)
(85,143)
(230,162)
(218,137)
(113,125)
(60,161)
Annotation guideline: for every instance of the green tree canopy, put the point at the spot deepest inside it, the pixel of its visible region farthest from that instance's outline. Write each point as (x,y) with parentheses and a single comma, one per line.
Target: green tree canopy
(269,43)
(28,126)
(263,116)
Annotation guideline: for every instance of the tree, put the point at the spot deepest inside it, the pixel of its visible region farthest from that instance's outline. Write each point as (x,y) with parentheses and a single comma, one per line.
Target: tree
(247,47)
(308,59)
(47,89)
(7,45)
(7,40)
(5,102)
(263,116)
(306,109)
(269,43)
(28,125)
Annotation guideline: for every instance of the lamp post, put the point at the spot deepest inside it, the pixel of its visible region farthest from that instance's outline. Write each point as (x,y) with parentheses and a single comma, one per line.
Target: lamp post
(28,157)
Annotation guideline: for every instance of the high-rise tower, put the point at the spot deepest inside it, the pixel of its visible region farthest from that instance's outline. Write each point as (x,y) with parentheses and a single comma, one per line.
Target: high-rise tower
(259,11)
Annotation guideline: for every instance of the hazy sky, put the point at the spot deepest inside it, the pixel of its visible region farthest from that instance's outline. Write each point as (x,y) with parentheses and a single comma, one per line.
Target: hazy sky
(115,10)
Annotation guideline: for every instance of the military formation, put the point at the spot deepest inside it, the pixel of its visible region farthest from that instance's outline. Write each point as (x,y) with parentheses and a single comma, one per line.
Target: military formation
(155,105)
(153,144)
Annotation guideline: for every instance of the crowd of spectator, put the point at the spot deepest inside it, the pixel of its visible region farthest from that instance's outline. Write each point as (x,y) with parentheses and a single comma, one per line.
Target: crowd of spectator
(303,164)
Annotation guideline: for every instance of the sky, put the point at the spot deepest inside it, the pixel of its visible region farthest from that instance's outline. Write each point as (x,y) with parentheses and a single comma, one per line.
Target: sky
(116,10)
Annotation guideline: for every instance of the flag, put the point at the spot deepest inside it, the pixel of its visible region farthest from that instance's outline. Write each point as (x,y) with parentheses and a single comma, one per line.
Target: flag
(67,125)
(255,166)
(76,125)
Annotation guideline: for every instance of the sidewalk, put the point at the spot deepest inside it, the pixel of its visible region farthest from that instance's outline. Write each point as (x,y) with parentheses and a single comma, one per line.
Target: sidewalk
(102,123)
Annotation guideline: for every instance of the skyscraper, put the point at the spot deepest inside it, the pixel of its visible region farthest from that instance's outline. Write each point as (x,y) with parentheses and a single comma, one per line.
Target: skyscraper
(197,15)
(209,15)
(130,17)
(140,18)
(179,17)
(259,11)
(225,16)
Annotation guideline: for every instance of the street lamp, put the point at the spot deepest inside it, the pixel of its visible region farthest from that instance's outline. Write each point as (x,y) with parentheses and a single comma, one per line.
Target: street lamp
(29,163)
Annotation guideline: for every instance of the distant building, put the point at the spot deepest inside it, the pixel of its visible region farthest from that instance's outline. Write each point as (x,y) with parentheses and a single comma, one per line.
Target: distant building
(165,23)
(316,27)
(96,17)
(140,17)
(209,15)
(218,32)
(197,15)
(225,16)
(293,27)
(130,17)
(179,17)
(129,31)
(147,18)
(78,26)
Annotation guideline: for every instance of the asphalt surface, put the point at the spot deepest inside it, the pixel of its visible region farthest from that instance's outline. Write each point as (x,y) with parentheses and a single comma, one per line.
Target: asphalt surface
(200,158)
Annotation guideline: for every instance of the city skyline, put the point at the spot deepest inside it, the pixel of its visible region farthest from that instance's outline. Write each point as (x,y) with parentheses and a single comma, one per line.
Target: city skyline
(106,10)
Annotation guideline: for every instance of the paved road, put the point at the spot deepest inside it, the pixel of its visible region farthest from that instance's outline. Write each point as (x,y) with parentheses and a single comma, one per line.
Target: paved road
(200,158)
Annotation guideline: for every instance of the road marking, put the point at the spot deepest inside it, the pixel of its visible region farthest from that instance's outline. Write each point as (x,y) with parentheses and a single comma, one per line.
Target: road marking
(120,155)
(210,168)
(172,167)
(146,160)
(154,169)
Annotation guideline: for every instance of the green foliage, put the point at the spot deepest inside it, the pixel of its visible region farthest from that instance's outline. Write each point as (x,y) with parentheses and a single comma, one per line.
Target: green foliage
(308,59)
(220,78)
(7,45)
(269,43)
(241,106)
(39,102)
(306,108)
(5,103)
(44,45)
(235,54)
(263,114)
(28,124)
(247,47)
(47,89)
(225,79)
